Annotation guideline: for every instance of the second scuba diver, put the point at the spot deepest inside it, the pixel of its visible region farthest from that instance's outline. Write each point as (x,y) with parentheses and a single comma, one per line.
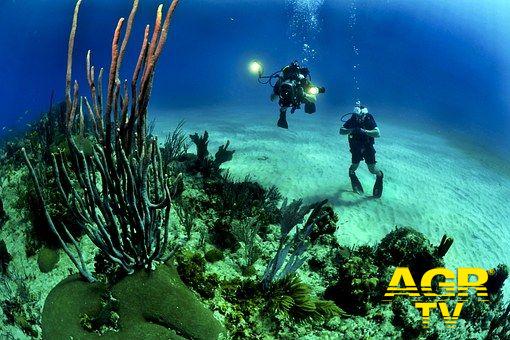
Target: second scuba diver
(362,130)
(293,88)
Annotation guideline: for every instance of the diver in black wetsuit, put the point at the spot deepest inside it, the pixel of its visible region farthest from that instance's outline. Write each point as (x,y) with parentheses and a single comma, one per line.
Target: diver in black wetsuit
(294,88)
(362,129)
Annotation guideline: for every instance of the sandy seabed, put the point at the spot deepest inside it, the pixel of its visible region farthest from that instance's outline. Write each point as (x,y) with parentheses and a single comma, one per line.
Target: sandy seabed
(432,183)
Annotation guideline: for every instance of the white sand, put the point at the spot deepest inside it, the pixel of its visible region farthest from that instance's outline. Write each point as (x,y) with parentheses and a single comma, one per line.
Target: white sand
(430,183)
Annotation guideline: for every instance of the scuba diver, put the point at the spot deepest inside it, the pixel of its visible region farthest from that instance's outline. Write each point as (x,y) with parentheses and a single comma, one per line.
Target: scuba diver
(293,87)
(362,130)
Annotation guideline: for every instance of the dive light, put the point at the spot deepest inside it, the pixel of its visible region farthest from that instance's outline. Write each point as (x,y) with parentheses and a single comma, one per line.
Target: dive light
(313,90)
(256,68)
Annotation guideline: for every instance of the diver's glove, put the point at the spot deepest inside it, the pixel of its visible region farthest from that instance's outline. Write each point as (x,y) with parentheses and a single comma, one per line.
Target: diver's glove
(358,131)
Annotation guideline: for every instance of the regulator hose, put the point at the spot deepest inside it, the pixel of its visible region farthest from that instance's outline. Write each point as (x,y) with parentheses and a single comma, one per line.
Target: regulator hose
(265,80)
(345,115)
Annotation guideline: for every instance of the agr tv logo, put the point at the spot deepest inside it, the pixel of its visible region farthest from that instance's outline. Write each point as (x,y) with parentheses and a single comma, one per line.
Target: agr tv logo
(402,284)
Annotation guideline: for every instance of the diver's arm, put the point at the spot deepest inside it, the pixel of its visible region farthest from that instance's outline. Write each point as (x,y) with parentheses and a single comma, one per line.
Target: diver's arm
(375,133)
(345,131)
(310,97)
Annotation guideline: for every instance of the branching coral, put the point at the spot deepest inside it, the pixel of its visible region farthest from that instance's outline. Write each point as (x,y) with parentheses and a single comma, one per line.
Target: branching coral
(223,154)
(236,202)
(186,216)
(176,144)
(246,233)
(282,264)
(50,130)
(326,224)
(119,193)
(204,164)
(201,144)
(444,246)
(238,199)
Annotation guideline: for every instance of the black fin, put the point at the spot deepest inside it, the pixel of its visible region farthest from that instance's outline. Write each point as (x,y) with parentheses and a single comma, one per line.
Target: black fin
(282,121)
(356,184)
(378,186)
(310,108)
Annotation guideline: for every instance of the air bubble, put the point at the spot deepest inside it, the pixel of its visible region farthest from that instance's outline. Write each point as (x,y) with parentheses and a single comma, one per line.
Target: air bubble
(305,24)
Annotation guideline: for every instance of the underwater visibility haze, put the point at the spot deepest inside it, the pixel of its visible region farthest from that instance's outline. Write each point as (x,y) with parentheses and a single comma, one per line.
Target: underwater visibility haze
(243,169)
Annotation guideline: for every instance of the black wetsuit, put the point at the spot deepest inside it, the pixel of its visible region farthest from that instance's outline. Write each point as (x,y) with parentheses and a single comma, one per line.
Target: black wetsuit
(361,145)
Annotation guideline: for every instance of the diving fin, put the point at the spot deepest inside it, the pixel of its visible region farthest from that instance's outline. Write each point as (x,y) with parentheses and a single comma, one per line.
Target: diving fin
(356,184)
(378,186)
(310,108)
(282,121)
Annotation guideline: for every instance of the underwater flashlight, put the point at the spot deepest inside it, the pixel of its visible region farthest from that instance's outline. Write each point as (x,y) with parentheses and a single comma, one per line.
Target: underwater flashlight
(256,68)
(313,90)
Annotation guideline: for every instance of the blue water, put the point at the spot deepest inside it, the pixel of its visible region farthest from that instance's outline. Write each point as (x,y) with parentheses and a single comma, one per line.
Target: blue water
(444,62)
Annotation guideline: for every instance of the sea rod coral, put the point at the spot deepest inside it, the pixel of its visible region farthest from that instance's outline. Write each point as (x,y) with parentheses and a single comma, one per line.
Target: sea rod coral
(118,192)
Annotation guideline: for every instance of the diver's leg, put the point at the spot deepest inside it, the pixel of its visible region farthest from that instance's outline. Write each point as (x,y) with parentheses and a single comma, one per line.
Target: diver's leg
(374,169)
(353,168)
(282,121)
(378,186)
(369,155)
(355,183)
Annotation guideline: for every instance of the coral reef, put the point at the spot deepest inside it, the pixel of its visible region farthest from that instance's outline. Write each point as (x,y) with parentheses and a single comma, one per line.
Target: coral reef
(291,296)
(47,259)
(356,290)
(18,305)
(191,269)
(406,247)
(214,255)
(406,317)
(499,328)
(106,320)
(497,278)
(5,258)
(164,309)
(306,302)
(3,214)
(32,208)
